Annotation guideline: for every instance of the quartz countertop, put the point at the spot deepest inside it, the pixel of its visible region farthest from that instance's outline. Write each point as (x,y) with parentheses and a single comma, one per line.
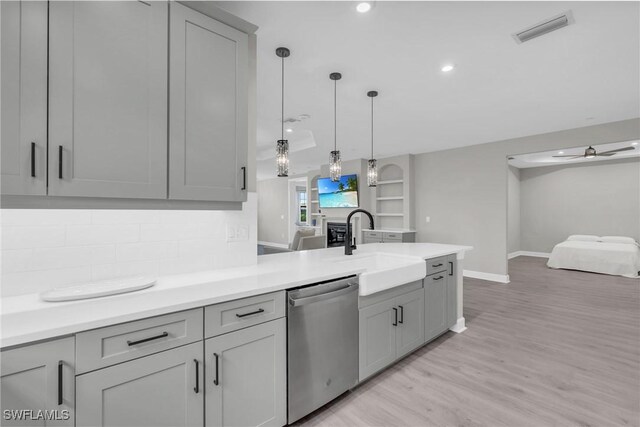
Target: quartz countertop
(26,318)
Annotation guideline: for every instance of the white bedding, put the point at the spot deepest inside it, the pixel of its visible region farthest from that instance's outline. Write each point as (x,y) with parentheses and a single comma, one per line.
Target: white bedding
(620,259)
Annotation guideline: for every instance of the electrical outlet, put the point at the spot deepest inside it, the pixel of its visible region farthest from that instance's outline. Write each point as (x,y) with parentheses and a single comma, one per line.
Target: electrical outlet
(237,233)
(428,219)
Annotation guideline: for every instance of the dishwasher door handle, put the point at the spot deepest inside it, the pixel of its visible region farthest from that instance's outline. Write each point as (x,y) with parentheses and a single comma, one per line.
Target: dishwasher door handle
(350,287)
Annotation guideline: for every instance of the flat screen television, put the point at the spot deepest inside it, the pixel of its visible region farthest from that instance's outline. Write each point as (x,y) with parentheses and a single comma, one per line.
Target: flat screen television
(339,194)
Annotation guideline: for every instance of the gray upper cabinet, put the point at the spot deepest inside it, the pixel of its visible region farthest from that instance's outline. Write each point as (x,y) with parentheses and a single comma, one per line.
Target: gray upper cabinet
(246,377)
(108,99)
(209,108)
(164,389)
(24,97)
(39,377)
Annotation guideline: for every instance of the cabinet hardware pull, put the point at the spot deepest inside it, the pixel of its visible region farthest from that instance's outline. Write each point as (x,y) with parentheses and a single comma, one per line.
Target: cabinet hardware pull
(395,314)
(197,387)
(258,311)
(162,335)
(401,321)
(438,278)
(451,266)
(244,178)
(436,265)
(216,380)
(60,161)
(33,159)
(60,382)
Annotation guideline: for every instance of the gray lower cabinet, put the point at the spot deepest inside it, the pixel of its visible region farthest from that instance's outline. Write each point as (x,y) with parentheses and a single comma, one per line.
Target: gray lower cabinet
(39,377)
(435,305)
(246,377)
(390,329)
(164,389)
(24,97)
(452,290)
(108,77)
(209,108)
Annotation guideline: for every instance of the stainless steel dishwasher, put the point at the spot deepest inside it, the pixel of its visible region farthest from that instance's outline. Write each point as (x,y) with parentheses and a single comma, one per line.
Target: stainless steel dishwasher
(322,351)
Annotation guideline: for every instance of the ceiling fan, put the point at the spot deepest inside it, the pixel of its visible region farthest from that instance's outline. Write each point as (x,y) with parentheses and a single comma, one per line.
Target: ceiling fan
(590,153)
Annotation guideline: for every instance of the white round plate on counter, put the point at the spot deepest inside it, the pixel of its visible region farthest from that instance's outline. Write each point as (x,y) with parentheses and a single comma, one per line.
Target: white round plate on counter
(98,289)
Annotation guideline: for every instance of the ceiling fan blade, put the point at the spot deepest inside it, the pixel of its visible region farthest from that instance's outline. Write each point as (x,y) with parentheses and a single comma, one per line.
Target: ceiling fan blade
(570,155)
(605,154)
(617,150)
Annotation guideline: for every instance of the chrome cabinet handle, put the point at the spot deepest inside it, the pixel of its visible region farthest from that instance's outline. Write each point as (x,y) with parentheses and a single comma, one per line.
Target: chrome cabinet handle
(60,382)
(258,311)
(162,335)
(33,159)
(216,380)
(395,314)
(197,387)
(60,149)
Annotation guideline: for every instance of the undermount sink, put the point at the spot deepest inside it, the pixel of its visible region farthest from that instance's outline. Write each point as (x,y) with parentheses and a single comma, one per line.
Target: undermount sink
(384,271)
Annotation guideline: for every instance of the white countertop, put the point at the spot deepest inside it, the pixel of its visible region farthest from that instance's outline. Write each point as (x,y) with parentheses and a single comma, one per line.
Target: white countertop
(27,318)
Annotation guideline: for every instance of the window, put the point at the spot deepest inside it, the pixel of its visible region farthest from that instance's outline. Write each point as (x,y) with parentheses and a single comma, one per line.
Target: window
(302,207)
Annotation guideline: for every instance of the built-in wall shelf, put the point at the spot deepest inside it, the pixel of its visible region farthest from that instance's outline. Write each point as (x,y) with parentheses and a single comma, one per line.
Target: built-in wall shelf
(391,181)
(390,198)
(314,201)
(389,214)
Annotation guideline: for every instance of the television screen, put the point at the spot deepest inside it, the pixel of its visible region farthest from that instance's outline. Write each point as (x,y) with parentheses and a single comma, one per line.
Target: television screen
(339,194)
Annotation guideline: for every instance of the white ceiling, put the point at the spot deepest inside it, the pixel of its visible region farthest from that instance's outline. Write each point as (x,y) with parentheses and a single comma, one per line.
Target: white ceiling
(580,75)
(545,158)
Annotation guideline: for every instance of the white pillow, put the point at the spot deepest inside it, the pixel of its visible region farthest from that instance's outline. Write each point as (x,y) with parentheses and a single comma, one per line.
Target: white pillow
(619,239)
(583,238)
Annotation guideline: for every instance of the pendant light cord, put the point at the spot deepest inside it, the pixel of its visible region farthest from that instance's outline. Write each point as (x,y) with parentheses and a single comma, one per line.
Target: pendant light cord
(335,115)
(372,127)
(282,130)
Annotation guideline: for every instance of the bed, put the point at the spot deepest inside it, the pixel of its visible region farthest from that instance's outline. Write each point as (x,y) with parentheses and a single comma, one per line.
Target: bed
(615,255)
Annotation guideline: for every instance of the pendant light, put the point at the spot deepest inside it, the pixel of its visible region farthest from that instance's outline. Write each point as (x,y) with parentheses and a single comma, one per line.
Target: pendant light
(372,164)
(335,163)
(282,146)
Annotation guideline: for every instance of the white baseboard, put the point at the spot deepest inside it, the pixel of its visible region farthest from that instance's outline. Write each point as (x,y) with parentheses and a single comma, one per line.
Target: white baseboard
(459,326)
(528,253)
(275,245)
(500,278)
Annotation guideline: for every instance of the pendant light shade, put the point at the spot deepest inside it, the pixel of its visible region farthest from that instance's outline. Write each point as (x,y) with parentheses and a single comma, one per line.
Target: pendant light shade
(335,163)
(372,164)
(282,146)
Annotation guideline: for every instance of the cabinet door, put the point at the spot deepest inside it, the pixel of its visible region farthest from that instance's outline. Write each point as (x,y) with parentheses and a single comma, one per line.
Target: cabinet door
(410,331)
(164,389)
(108,99)
(209,115)
(435,301)
(452,291)
(246,377)
(378,324)
(24,97)
(39,377)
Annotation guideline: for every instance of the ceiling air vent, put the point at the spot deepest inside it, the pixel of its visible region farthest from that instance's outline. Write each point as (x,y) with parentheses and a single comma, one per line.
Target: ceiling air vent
(544,27)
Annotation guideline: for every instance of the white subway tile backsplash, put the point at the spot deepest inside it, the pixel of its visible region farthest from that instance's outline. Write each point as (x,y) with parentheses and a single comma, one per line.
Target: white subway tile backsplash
(46,248)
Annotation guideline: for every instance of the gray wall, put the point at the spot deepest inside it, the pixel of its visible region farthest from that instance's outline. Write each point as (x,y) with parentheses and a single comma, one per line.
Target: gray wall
(601,198)
(464,190)
(513,209)
(273,210)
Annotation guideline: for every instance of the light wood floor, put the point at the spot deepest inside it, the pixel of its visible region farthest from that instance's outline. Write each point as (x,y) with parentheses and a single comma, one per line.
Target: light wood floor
(552,348)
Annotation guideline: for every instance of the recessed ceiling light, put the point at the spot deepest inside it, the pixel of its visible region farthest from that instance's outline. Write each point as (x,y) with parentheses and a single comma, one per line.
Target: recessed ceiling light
(289,130)
(363,7)
(634,143)
(447,68)
(560,152)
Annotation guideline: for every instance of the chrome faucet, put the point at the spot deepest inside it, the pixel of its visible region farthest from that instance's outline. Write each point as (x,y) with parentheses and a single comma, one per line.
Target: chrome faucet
(348,249)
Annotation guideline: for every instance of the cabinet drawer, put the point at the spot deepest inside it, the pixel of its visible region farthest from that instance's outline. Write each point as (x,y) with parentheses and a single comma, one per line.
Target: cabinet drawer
(115,344)
(392,237)
(372,234)
(441,276)
(436,265)
(233,315)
